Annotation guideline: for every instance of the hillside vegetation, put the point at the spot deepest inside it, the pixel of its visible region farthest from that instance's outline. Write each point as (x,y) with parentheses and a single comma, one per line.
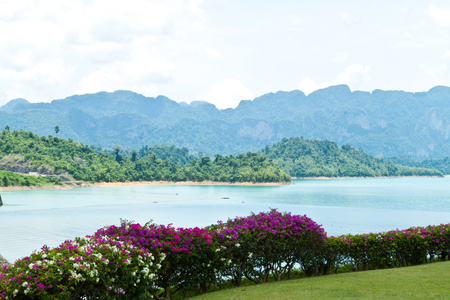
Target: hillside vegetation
(8,179)
(383,123)
(24,151)
(441,164)
(312,158)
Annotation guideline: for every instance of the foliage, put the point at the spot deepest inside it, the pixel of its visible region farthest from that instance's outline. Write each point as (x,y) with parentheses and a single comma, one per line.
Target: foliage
(394,248)
(313,158)
(131,261)
(172,153)
(193,258)
(12,179)
(269,244)
(442,164)
(25,151)
(88,268)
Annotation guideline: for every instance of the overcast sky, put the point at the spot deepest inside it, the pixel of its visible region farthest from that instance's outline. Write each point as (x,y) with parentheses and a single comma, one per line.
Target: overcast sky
(219,51)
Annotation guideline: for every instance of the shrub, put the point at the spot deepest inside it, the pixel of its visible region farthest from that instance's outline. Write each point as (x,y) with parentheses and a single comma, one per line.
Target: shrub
(87,268)
(270,243)
(395,248)
(192,262)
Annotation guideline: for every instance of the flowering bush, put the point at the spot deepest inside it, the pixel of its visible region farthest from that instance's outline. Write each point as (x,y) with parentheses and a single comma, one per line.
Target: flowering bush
(87,268)
(395,248)
(192,261)
(270,243)
(130,260)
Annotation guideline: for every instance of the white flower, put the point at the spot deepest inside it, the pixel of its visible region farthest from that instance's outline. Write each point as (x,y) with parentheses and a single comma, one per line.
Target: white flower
(250,255)
(238,245)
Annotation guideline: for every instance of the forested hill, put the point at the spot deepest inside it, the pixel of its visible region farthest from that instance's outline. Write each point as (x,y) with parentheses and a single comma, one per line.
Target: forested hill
(442,164)
(24,151)
(383,123)
(312,158)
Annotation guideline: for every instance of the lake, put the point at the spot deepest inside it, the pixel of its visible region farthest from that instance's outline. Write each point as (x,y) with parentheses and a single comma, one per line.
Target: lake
(31,219)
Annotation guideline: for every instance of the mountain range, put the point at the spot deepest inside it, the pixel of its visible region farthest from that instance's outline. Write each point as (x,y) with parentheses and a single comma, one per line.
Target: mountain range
(382,123)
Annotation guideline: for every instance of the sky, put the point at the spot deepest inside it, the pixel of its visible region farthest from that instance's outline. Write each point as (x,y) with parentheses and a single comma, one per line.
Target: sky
(220,51)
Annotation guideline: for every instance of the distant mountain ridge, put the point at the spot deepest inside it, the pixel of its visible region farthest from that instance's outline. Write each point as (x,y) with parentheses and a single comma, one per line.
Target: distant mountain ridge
(383,123)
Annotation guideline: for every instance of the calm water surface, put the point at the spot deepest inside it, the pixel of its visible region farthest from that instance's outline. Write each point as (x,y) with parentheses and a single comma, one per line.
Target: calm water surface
(30,219)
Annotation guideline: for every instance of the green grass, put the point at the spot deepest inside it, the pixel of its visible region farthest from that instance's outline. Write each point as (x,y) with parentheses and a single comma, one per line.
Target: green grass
(429,281)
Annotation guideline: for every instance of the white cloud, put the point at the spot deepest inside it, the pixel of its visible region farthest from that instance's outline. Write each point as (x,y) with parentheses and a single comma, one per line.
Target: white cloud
(51,49)
(227,93)
(356,76)
(340,57)
(438,71)
(307,85)
(439,15)
(140,72)
(353,75)
(212,52)
(345,16)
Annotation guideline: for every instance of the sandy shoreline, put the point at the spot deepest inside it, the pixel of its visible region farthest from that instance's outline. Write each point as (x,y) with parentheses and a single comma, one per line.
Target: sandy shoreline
(138,183)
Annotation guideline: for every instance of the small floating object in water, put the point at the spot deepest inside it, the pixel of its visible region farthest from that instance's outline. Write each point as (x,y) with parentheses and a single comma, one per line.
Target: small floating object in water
(155,201)
(225,197)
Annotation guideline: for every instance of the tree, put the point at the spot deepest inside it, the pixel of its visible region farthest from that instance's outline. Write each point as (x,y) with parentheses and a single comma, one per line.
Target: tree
(56,129)
(5,181)
(117,155)
(7,128)
(133,155)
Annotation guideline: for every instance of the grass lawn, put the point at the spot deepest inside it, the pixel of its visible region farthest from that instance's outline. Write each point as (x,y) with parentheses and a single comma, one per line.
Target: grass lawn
(429,281)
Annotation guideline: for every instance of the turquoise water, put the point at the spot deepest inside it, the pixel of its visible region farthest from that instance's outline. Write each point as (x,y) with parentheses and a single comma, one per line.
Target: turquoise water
(30,219)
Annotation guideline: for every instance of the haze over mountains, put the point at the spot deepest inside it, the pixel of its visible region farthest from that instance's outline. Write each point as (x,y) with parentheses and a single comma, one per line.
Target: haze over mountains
(382,123)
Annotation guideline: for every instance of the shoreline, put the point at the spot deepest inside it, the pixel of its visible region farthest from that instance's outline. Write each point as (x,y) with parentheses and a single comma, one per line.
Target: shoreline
(138,183)
(368,177)
(206,182)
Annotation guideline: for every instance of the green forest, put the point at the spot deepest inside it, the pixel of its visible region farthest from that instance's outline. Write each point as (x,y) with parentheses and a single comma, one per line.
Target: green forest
(23,151)
(313,158)
(441,164)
